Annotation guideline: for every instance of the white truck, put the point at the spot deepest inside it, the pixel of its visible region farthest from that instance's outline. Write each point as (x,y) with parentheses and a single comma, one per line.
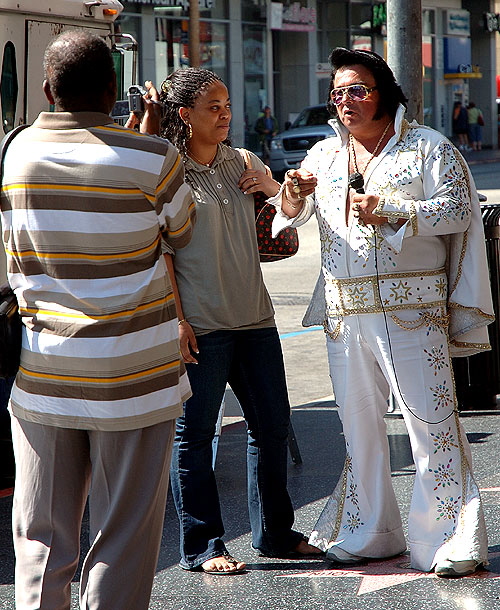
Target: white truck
(26,27)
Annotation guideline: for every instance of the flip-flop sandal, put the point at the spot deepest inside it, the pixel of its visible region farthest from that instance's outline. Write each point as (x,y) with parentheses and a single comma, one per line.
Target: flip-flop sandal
(229,559)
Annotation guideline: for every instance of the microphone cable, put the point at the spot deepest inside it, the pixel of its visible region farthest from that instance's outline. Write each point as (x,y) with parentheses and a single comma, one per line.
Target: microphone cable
(389,343)
(356,181)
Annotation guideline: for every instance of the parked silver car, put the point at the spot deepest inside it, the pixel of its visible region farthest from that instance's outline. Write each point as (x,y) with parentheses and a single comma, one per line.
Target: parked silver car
(289,147)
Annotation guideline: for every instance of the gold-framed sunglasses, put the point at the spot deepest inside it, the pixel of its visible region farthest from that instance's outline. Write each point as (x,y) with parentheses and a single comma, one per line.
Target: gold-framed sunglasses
(357,93)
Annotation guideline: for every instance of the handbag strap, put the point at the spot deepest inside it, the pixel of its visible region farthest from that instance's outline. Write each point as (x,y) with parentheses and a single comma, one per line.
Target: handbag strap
(6,292)
(6,140)
(247,160)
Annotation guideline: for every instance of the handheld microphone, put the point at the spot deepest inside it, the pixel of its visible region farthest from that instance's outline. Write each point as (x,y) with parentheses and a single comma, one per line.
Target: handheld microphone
(356,182)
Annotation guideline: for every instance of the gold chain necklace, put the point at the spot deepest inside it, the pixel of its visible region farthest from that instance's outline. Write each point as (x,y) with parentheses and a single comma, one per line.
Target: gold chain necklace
(351,142)
(195,158)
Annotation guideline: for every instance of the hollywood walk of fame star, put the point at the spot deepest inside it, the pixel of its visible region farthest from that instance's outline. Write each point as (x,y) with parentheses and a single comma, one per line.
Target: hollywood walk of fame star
(383,574)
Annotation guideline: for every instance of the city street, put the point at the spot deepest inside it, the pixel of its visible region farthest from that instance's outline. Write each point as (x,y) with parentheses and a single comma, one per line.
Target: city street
(313,584)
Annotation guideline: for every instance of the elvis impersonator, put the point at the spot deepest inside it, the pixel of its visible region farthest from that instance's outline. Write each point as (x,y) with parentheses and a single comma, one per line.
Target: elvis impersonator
(404,286)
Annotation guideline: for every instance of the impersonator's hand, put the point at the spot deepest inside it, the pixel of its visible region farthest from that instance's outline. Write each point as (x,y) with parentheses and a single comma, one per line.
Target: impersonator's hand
(299,183)
(363,206)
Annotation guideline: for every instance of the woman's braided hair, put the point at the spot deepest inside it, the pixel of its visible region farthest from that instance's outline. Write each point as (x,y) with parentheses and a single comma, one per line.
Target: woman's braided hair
(180,90)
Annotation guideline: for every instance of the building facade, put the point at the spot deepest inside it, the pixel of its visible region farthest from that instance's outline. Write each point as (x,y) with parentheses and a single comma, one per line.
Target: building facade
(276,53)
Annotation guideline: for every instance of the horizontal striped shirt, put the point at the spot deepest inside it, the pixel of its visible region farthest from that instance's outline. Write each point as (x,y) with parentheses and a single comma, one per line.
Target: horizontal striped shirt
(84,205)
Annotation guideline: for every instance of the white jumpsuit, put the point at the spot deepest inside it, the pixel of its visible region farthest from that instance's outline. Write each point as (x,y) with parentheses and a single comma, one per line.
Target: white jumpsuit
(386,308)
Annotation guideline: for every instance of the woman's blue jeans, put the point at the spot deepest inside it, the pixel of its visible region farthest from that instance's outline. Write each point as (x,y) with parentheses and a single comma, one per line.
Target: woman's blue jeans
(251,362)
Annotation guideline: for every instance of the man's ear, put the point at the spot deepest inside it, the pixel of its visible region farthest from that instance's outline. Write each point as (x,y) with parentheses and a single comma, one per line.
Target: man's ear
(48,92)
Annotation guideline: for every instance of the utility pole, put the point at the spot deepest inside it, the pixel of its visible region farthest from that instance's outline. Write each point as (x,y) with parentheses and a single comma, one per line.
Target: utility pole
(194,33)
(404,51)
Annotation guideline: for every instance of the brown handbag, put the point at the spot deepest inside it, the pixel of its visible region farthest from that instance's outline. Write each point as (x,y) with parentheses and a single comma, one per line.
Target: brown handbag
(283,245)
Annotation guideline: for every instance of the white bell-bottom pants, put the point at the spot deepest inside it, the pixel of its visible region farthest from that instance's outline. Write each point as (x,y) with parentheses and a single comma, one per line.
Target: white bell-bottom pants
(407,354)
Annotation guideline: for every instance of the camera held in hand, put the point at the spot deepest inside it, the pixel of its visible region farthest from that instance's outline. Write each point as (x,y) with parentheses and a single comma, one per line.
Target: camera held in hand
(135,100)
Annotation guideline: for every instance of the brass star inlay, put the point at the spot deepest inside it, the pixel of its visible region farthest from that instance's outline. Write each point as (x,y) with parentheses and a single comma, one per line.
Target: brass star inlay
(380,574)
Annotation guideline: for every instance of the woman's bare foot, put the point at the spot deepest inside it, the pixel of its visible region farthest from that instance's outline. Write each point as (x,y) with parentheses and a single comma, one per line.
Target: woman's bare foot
(225,564)
(304,548)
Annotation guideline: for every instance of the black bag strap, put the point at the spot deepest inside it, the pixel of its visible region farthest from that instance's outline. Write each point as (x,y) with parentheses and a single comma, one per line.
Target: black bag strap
(6,292)
(6,140)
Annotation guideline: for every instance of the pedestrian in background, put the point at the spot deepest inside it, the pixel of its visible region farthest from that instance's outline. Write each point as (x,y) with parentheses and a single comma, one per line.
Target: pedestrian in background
(476,122)
(404,286)
(267,127)
(85,204)
(460,125)
(228,335)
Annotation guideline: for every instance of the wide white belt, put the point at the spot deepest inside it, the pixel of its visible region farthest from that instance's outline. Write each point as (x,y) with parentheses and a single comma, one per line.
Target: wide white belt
(386,292)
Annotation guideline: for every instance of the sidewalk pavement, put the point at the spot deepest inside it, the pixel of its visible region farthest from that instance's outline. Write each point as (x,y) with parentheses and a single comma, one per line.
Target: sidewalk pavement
(486,155)
(275,584)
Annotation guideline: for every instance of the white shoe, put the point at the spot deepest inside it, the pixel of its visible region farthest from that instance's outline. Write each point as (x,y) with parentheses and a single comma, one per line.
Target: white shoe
(338,555)
(456,569)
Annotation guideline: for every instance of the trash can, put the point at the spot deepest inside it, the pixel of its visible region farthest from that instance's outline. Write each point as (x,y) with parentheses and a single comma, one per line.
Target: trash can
(477,378)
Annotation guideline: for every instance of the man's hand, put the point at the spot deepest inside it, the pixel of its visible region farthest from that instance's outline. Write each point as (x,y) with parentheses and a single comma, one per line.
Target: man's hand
(153,109)
(363,206)
(299,183)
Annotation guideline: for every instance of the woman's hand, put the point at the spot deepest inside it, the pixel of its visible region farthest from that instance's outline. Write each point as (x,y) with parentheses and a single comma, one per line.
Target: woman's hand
(153,110)
(187,340)
(253,181)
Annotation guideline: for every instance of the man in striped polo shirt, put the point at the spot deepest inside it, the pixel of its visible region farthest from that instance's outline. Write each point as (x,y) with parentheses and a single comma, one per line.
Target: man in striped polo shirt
(85,204)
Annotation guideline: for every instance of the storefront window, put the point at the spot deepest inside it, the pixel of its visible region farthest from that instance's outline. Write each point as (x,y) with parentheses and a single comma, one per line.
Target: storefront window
(254,10)
(428,41)
(332,28)
(427,51)
(428,17)
(172,47)
(256,95)
(209,9)
(361,16)
(361,24)
(214,9)
(333,13)
(332,32)
(129,24)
